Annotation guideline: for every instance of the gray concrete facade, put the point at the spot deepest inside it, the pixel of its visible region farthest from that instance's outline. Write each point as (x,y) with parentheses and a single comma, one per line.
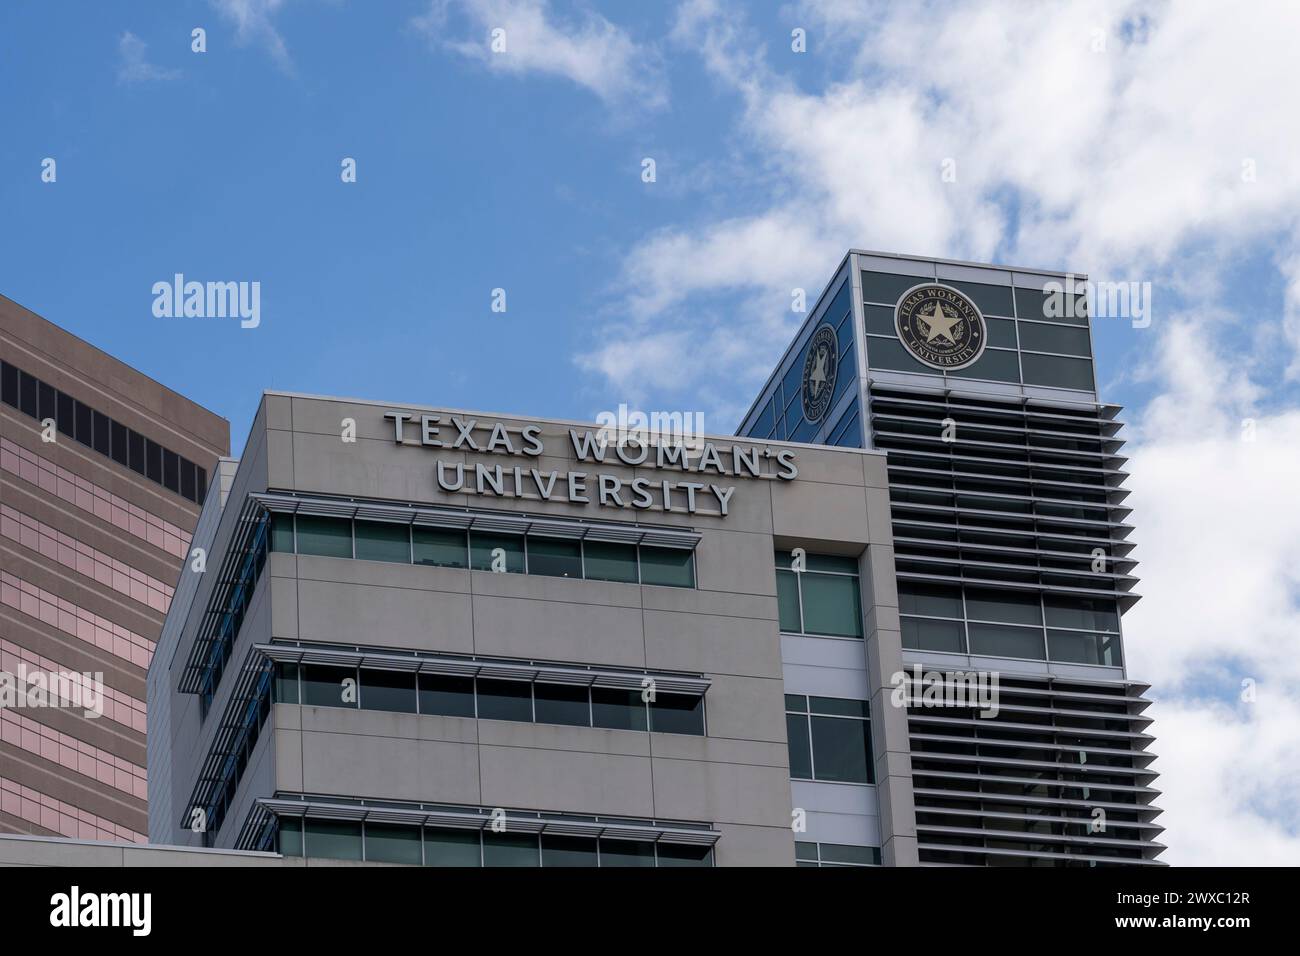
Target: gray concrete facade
(733,781)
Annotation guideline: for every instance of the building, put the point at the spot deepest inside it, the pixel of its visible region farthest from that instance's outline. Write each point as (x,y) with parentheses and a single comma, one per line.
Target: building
(1011,541)
(102,474)
(460,639)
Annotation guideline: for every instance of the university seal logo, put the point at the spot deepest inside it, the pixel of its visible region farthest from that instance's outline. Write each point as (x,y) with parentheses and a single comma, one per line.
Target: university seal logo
(940,326)
(819,369)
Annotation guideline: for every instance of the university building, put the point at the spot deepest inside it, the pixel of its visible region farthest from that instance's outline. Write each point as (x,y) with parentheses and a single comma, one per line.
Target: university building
(102,475)
(879,626)
(1011,545)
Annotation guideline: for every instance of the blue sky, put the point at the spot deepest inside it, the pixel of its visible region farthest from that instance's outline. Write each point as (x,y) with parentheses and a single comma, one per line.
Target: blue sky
(1084,136)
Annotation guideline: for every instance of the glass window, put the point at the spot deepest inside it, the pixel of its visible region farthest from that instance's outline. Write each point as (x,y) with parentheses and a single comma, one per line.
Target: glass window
(291,836)
(850,855)
(334,839)
(991,299)
(509,849)
(446,696)
(672,567)
(286,683)
(796,731)
(673,854)
(841,749)
(1002,333)
(444,549)
(392,843)
(282,532)
(831,605)
(886,287)
(568,851)
(1011,607)
(616,709)
(328,686)
(388,690)
(561,704)
(932,600)
(1059,372)
(383,541)
(327,537)
(554,557)
(1000,640)
(787,601)
(626,853)
(880,319)
(995,364)
(1070,340)
(923,634)
(505,700)
(485,548)
(677,714)
(609,561)
(444,847)
(1075,647)
(1035,304)
(891,354)
(1085,614)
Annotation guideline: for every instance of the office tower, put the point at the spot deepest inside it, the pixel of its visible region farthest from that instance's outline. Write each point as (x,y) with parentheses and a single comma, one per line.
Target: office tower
(1011,542)
(102,475)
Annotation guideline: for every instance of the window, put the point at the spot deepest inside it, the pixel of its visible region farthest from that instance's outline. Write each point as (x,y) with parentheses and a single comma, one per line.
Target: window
(543,702)
(446,696)
(383,541)
(555,557)
(479,550)
(485,549)
(626,853)
(510,849)
(607,561)
(824,599)
(328,686)
(388,690)
(677,714)
(505,700)
(568,851)
(1010,623)
(616,709)
(562,704)
(327,537)
(96,430)
(392,843)
(282,533)
(835,854)
(443,549)
(444,846)
(830,739)
(671,567)
(333,839)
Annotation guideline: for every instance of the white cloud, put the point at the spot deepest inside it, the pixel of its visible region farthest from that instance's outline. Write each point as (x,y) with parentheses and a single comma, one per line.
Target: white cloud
(589,50)
(134,67)
(1133,161)
(254,22)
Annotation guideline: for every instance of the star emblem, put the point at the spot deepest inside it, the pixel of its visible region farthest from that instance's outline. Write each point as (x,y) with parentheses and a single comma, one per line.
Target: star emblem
(938,323)
(818,376)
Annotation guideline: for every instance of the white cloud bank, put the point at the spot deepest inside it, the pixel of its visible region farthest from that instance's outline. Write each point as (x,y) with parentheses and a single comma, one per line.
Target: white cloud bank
(133,65)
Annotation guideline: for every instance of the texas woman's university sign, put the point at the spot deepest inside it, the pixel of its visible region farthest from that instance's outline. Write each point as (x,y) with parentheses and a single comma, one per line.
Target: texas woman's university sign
(703,460)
